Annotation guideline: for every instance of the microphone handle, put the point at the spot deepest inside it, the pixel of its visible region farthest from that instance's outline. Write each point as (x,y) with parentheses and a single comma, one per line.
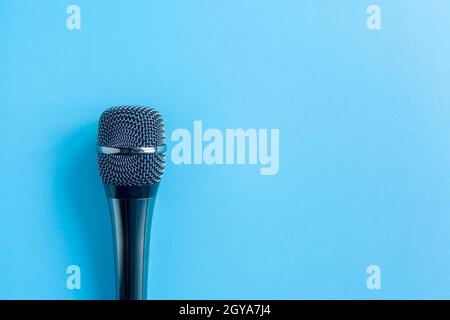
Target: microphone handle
(131,217)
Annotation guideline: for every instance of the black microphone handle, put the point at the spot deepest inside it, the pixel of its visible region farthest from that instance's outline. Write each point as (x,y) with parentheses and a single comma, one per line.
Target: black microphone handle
(131,210)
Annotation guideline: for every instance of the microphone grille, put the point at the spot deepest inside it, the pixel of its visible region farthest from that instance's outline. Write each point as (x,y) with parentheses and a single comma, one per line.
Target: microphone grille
(126,127)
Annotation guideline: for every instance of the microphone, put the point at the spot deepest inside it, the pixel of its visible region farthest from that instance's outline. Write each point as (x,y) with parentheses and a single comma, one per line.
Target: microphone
(131,161)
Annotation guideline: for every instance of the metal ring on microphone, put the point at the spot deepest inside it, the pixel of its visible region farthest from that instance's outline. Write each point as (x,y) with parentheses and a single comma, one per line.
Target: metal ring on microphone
(132,150)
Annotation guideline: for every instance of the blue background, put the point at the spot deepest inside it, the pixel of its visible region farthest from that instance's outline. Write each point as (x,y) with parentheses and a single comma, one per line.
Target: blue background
(364,125)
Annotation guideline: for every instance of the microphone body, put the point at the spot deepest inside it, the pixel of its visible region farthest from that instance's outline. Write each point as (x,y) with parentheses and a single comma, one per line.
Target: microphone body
(131,159)
(131,211)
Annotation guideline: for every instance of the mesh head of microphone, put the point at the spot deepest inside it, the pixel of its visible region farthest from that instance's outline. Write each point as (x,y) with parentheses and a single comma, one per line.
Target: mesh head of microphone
(126,127)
